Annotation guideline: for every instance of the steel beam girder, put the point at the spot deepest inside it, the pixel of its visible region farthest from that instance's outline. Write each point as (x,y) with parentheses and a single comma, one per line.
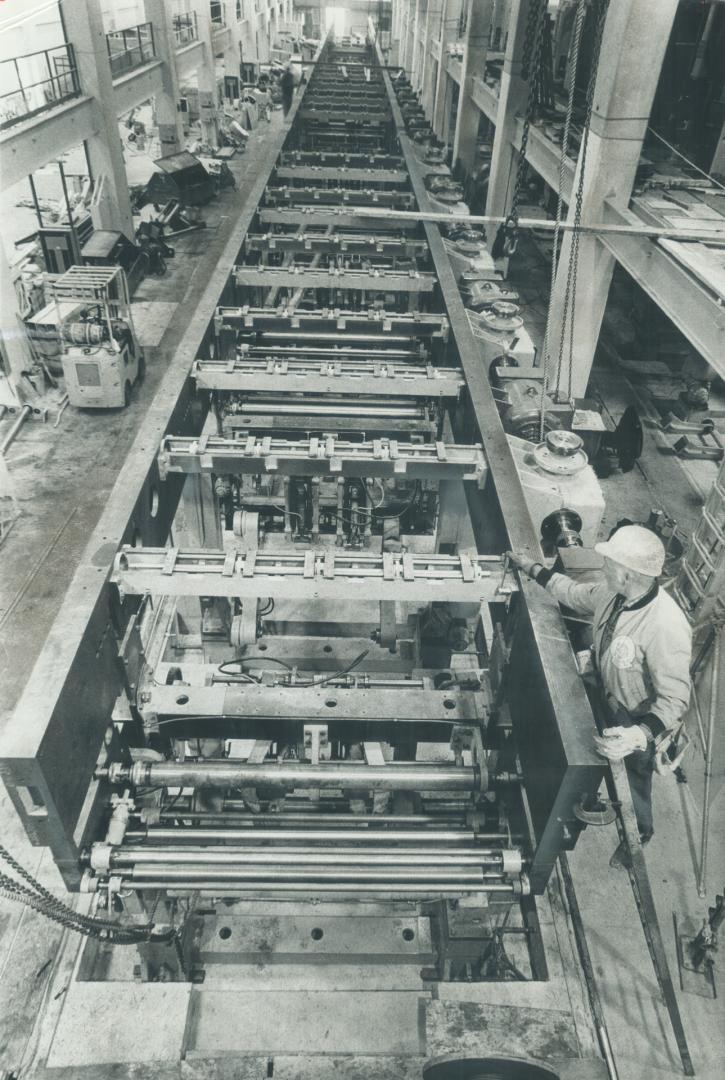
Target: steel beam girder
(322,196)
(311,575)
(362,116)
(337,243)
(303,277)
(321,457)
(547,696)
(254,702)
(327,215)
(327,159)
(698,314)
(339,377)
(342,173)
(331,320)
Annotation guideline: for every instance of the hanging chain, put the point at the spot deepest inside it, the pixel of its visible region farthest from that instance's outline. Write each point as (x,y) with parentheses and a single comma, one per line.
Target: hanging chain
(569,309)
(36,896)
(507,236)
(572,73)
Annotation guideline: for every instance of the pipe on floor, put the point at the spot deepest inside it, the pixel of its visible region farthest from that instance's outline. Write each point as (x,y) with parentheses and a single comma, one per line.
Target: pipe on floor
(12,435)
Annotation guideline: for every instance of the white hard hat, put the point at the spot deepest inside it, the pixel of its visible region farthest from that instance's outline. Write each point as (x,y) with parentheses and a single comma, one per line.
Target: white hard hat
(636,548)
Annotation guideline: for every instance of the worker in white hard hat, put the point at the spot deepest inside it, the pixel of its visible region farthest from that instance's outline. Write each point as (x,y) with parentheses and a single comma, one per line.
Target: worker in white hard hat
(641,652)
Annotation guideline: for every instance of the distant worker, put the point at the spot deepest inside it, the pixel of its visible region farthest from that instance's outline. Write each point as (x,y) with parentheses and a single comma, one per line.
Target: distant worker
(641,654)
(287,88)
(264,101)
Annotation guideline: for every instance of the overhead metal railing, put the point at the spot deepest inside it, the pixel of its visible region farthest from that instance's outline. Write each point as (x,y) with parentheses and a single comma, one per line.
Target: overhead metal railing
(37,81)
(130,48)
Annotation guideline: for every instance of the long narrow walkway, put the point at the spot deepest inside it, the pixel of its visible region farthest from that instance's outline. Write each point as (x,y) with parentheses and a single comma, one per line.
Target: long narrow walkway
(63,476)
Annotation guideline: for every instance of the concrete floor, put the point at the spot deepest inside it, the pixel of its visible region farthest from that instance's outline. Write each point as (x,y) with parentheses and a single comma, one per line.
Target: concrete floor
(63,477)
(638,1023)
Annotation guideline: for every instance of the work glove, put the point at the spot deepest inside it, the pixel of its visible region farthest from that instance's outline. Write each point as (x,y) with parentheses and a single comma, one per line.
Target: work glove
(618,742)
(521,561)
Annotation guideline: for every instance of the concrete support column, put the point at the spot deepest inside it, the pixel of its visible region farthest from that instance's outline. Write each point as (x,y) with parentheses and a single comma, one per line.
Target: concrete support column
(433,24)
(395,32)
(624,92)
(474,62)
(421,49)
(112,205)
(451,17)
(512,100)
(233,51)
(206,75)
(718,161)
(410,57)
(15,345)
(168,117)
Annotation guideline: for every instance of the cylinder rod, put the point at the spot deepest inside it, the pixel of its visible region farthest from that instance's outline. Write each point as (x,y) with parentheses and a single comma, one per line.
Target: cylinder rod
(352,821)
(122,856)
(307,836)
(401,776)
(255,888)
(467,876)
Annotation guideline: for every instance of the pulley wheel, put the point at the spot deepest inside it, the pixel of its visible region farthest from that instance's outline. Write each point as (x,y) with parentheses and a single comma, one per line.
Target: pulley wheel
(562,529)
(502,316)
(486,1069)
(561,453)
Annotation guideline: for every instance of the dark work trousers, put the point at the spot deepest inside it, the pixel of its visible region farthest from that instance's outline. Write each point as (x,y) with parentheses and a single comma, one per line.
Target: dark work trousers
(286,102)
(640,765)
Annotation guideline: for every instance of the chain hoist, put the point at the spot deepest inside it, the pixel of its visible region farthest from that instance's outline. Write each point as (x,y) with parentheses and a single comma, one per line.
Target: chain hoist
(507,236)
(572,73)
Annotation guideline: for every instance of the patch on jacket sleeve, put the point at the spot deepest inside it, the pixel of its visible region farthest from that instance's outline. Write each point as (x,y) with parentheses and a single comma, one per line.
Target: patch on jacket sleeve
(622,651)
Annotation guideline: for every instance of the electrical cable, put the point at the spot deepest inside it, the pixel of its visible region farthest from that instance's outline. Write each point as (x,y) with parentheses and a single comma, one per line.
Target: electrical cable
(338,674)
(32,894)
(246,659)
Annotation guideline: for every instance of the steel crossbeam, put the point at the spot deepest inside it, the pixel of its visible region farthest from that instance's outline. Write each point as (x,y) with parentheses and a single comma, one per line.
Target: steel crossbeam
(352,160)
(338,377)
(341,172)
(321,457)
(328,215)
(331,352)
(337,243)
(256,703)
(365,118)
(296,277)
(311,575)
(303,196)
(329,320)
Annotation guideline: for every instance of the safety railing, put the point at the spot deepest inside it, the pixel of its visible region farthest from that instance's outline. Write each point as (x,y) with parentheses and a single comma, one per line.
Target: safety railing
(216,8)
(130,48)
(185,29)
(35,82)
